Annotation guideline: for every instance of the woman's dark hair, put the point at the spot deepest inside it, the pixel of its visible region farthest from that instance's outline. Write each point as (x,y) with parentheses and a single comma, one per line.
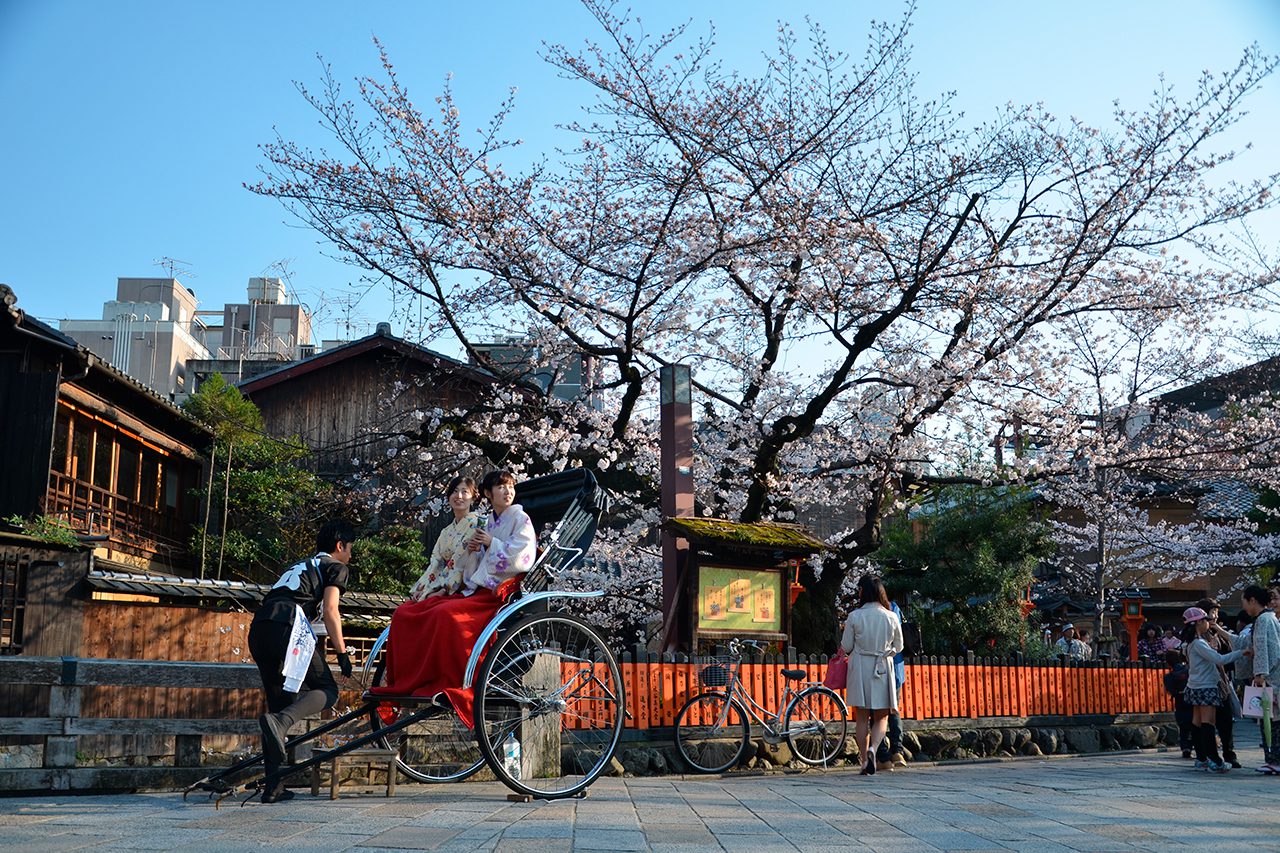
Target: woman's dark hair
(1149,627)
(461,481)
(871,588)
(1207,604)
(493,478)
(332,532)
(1188,632)
(1253,592)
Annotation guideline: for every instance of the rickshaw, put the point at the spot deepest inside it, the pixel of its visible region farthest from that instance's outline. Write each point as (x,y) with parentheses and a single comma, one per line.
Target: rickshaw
(549,700)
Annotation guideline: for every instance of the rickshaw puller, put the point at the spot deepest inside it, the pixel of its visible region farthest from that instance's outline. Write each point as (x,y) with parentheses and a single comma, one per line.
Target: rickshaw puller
(296,680)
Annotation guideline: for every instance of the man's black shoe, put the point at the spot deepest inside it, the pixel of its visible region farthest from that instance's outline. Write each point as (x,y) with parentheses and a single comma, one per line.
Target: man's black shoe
(273,737)
(279,795)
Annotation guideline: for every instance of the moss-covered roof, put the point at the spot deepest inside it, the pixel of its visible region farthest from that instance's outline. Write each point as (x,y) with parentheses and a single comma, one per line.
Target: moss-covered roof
(791,538)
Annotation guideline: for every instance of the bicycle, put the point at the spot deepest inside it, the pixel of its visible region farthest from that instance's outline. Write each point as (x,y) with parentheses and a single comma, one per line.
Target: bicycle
(713,730)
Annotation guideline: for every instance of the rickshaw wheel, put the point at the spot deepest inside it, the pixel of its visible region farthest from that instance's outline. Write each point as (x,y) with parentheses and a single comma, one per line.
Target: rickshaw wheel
(439,748)
(552,683)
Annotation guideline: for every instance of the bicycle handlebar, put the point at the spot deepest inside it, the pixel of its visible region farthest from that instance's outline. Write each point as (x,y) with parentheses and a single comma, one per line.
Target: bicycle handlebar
(735,645)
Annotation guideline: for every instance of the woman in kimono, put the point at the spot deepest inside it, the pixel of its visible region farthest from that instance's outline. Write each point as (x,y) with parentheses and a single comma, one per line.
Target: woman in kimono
(450,560)
(432,638)
(872,637)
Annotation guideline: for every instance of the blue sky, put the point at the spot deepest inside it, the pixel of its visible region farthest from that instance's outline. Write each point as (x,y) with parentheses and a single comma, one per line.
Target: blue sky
(130,126)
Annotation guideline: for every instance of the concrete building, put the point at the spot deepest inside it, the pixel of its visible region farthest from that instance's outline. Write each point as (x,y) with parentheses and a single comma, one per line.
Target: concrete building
(247,339)
(154,332)
(149,331)
(565,377)
(267,325)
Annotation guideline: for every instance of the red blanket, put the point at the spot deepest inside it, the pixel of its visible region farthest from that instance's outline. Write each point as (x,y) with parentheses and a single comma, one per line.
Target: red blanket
(430,643)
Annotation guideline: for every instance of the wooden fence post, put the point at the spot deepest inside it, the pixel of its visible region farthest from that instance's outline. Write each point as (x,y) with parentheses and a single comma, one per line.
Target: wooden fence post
(186,750)
(64,704)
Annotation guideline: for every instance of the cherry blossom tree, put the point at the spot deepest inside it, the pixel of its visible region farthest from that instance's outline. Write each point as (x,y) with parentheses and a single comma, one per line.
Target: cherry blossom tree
(1168,458)
(859,279)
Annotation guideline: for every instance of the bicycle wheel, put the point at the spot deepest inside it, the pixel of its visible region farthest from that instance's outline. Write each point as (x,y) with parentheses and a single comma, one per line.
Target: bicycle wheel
(551,682)
(712,732)
(439,748)
(816,723)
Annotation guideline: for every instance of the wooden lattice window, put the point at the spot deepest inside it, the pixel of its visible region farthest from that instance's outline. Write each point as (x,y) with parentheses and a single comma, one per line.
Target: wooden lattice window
(13,600)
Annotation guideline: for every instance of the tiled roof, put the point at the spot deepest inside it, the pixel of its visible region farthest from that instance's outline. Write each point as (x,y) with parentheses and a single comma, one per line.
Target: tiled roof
(1257,378)
(206,589)
(1227,499)
(377,341)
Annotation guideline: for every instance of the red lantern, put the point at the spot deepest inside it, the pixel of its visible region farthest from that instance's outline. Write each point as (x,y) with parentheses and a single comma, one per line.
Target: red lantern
(795,588)
(1026,605)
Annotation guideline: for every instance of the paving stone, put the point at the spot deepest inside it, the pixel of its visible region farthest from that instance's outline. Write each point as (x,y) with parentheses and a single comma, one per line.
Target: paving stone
(413,837)
(609,839)
(1061,806)
(538,829)
(529,845)
(680,835)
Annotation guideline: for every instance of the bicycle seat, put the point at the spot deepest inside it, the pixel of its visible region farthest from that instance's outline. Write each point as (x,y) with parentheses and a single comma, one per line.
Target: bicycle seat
(794,674)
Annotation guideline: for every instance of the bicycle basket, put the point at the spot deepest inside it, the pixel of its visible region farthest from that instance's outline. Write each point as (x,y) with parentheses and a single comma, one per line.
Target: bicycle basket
(714,675)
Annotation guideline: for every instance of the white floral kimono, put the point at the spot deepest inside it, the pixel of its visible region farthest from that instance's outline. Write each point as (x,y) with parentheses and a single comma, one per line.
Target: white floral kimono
(450,560)
(512,551)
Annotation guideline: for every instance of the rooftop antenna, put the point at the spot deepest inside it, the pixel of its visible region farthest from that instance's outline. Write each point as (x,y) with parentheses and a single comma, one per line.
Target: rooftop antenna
(348,317)
(174,267)
(281,269)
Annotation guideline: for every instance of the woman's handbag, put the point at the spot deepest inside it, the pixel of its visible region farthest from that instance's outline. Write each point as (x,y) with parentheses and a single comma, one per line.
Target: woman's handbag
(837,676)
(1232,701)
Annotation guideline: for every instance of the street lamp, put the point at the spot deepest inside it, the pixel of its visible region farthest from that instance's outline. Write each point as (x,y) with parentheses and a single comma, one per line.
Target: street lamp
(1131,607)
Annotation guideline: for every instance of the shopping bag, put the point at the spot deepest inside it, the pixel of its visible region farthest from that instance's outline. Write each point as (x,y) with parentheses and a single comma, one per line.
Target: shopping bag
(837,676)
(1256,698)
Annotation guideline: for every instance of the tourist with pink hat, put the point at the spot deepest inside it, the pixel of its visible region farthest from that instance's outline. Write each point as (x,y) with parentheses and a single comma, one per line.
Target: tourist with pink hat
(1204,692)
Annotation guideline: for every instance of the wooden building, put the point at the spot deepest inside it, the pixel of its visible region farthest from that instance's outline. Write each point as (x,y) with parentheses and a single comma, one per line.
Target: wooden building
(348,404)
(85,443)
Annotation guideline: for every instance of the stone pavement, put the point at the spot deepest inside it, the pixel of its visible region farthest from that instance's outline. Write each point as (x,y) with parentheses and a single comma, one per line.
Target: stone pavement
(1150,801)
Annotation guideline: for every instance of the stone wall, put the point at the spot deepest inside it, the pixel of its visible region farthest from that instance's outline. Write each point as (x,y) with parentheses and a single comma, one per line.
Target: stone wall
(929,741)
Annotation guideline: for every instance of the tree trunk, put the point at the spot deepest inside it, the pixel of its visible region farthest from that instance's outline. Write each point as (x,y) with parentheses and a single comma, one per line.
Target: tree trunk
(816,616)
(1100,579)
(208,507)
(226,505)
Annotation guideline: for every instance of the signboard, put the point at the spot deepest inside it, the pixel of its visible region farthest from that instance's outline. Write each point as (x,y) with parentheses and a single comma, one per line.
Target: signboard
(739,601)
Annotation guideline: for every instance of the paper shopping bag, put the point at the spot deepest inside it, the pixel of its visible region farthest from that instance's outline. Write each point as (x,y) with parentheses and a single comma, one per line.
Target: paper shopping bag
(1256,699)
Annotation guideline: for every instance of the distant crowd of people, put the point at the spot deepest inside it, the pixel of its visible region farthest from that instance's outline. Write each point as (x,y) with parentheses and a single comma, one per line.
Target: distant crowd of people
(1074,643)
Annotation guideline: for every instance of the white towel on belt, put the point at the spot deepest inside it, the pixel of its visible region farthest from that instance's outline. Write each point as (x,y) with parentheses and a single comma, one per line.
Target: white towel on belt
(297,657)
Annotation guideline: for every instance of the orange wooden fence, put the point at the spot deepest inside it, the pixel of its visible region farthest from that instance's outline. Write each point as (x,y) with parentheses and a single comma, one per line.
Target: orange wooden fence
(936,688)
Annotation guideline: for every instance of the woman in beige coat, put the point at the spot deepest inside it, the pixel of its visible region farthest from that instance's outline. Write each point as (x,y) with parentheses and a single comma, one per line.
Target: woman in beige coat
(872,636)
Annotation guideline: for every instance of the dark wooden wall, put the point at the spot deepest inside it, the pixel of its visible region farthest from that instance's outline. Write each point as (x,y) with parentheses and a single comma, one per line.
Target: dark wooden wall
(54,623)
(345,411)
(52,619)
(148,632)
(28,401)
